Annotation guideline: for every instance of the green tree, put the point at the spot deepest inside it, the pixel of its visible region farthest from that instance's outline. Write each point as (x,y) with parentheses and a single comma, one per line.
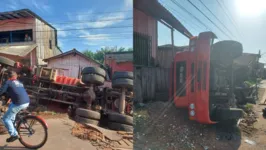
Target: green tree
(89,54)
(99,54)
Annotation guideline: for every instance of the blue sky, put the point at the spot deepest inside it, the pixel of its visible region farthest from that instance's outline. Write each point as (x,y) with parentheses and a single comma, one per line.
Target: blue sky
(80,14)
(250,19)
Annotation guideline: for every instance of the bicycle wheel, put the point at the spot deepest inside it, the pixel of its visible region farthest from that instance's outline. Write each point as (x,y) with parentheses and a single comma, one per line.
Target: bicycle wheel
(26,132)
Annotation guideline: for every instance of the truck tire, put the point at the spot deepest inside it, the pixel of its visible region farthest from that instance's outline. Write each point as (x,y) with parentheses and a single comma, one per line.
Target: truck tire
(92,79)
(6,61)
(224,114)
(119,118)
(120,83)
(120,127)
(83,120)
(88,114)
(94,70)
(123,74)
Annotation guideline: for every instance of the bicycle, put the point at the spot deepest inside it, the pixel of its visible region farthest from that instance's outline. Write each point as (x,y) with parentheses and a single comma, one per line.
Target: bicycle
(21,119)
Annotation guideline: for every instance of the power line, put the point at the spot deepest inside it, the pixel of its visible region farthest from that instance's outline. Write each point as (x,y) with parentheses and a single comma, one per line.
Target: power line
(76,29)
(216,17)
(93,13)
(69,22)
(181,17)
(184,9)
(230,18)
(208,18)
(92,36)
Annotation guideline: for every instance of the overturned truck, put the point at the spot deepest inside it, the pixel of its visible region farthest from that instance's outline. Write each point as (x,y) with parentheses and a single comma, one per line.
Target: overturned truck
(90,99)
(202,80)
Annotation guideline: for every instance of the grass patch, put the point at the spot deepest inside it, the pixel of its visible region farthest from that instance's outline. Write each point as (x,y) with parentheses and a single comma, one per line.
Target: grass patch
(248,107)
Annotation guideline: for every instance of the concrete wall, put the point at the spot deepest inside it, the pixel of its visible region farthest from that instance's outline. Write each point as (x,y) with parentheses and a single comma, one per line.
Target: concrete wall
(146,25)
(69,65)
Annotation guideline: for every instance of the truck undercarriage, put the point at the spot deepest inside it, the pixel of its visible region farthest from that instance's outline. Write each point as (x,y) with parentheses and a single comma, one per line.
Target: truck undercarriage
(90,99)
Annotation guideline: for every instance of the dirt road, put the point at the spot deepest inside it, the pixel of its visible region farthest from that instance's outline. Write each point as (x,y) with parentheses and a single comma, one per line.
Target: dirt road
(59,138)
(161,125)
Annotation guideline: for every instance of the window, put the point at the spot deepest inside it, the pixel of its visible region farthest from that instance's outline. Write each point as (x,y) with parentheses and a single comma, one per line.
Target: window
(180,78)
(50,44)
(16,36)
(192,77)
(21,36)
(4,37)
(199,76)
(204,75)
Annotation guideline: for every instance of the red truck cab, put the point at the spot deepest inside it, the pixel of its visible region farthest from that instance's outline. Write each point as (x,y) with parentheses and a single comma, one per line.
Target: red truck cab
(190,78)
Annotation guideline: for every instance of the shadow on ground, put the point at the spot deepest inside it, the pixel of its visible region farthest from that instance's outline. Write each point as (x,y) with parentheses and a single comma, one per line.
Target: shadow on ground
(5,147)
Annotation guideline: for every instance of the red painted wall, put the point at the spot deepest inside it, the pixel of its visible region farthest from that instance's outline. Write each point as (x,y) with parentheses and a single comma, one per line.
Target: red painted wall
(123,66)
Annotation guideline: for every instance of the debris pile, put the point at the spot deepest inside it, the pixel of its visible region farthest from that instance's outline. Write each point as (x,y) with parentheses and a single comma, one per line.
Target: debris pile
(247,123)
(102,138)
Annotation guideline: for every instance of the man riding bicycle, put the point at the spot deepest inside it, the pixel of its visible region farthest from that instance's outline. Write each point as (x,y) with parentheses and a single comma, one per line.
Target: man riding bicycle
(19,100)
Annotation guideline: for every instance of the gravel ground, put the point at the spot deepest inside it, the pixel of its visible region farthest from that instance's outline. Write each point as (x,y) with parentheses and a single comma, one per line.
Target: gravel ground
(161,125)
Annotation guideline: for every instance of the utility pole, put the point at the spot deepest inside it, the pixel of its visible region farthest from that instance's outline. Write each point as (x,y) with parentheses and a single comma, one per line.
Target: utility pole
(257,69)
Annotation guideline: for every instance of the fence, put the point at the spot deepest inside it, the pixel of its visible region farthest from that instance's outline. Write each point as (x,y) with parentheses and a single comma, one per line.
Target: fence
(151,84)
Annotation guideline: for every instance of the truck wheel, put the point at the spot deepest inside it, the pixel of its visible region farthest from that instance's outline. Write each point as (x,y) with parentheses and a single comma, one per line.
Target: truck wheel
(88,114)
(83,120)
(123,74)
(119,118)
(120,83)
(94,70)
(6,61)
(93,79)
(120,127)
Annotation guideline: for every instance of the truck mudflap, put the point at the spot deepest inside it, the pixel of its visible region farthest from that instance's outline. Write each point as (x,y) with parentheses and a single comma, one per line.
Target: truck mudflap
(223,114)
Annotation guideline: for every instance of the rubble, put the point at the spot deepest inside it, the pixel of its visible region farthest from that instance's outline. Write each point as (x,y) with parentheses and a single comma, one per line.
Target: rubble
(103,140)
(171,125)
(247,123)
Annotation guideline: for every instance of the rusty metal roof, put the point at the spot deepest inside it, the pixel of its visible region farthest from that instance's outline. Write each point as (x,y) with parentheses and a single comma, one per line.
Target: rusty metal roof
(120,56)
(157,11)
(71,52)
(17,50)
(22,13)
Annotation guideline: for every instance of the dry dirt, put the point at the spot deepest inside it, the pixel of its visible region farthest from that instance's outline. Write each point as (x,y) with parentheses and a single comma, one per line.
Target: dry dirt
(161,125)
(99,140)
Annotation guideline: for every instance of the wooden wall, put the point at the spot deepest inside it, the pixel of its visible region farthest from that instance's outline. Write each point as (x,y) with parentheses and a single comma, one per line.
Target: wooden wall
(151,83)
(146,25)
(69,65)
(44,33)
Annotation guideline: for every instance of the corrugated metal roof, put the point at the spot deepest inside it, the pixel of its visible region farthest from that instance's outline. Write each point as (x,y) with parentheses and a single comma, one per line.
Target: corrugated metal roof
(74,51)
(156,10)
(22,13)
(17,50)
(246,59)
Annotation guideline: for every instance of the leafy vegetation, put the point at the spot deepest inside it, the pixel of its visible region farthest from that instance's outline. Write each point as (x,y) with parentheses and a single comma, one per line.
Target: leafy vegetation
(98,55)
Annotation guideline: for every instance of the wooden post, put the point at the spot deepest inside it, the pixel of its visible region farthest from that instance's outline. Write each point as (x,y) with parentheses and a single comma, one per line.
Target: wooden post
(122,101)
(173,45)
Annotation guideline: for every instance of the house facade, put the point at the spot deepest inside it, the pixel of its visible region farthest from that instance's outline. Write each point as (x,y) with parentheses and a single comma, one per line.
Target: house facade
(27,38)
(71,63)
